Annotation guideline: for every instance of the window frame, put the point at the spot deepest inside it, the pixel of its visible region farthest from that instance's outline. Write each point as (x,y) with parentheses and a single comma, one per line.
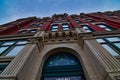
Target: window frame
(65,26)
(54,29)
(91,30)
(111,44)
(106,27)
(12,46)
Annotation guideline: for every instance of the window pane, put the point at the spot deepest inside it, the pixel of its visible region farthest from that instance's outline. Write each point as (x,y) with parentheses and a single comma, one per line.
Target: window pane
(77,21)
(110,50)
(90,20)
(39,24)
(22,32)
(54,29)
(117,44)
(15,51)
(65,26)
(1,42)
(111,39)
(62,60)
(9,43)
(3,66)
(33,31)
(21,42)
(2,49)
(55,26)
(108,29)
(88,31)
(100,40)
(102,25)
(85,27)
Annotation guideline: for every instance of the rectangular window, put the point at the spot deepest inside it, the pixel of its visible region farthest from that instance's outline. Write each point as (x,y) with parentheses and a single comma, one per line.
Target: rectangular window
(111,44)
(21,42)
(3,66)
(3,49)
(11,48)
(87,28)
(117,44)
(54,28)
(113,39)
(9,43)
(110,50)
(33,25)
(32,30)
(65,27)
(77,21)
(90,20)
(15,50)
(22,31)
(39,24)
(106,27)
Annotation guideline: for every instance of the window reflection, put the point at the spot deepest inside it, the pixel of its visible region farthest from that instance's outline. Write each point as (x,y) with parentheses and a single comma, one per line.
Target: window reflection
(32,30)
(110,50)
(11,48)
(22,32)
(111,44)
(65,27)
(106,27)
(61,60)
(117,44)
(21,42)
(54,28)
(112,39)
(2,49)
(100,40)
(86,28)
(3,66)
(9,43)
(62,66)
(15,51)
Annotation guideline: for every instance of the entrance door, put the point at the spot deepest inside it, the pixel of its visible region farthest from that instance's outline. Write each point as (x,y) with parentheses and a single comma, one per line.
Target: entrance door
(62,66)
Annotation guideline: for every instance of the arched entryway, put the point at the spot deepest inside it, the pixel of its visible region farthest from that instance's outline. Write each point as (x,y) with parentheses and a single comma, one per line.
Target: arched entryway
(62,66)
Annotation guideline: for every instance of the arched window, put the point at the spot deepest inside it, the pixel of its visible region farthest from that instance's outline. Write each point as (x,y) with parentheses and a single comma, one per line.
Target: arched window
(62,66)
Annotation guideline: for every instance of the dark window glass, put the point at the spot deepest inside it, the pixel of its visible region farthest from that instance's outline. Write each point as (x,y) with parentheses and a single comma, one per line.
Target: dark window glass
(22,32)
(3,66)
(62,66)
(39,24)
(78,21)
(61,60)
(90,20)
(32,30)
(33,25)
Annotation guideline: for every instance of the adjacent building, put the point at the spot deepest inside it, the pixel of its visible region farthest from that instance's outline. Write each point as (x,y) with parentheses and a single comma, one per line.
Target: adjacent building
(61,47)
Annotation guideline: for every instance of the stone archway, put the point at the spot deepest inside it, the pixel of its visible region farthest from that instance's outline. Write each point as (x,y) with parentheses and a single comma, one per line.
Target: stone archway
(63,70)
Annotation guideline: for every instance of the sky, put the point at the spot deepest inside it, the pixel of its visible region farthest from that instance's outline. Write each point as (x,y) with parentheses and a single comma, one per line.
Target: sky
(11,10)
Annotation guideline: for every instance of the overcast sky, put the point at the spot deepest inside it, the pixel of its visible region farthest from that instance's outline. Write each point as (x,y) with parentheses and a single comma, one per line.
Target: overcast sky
(14,9)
